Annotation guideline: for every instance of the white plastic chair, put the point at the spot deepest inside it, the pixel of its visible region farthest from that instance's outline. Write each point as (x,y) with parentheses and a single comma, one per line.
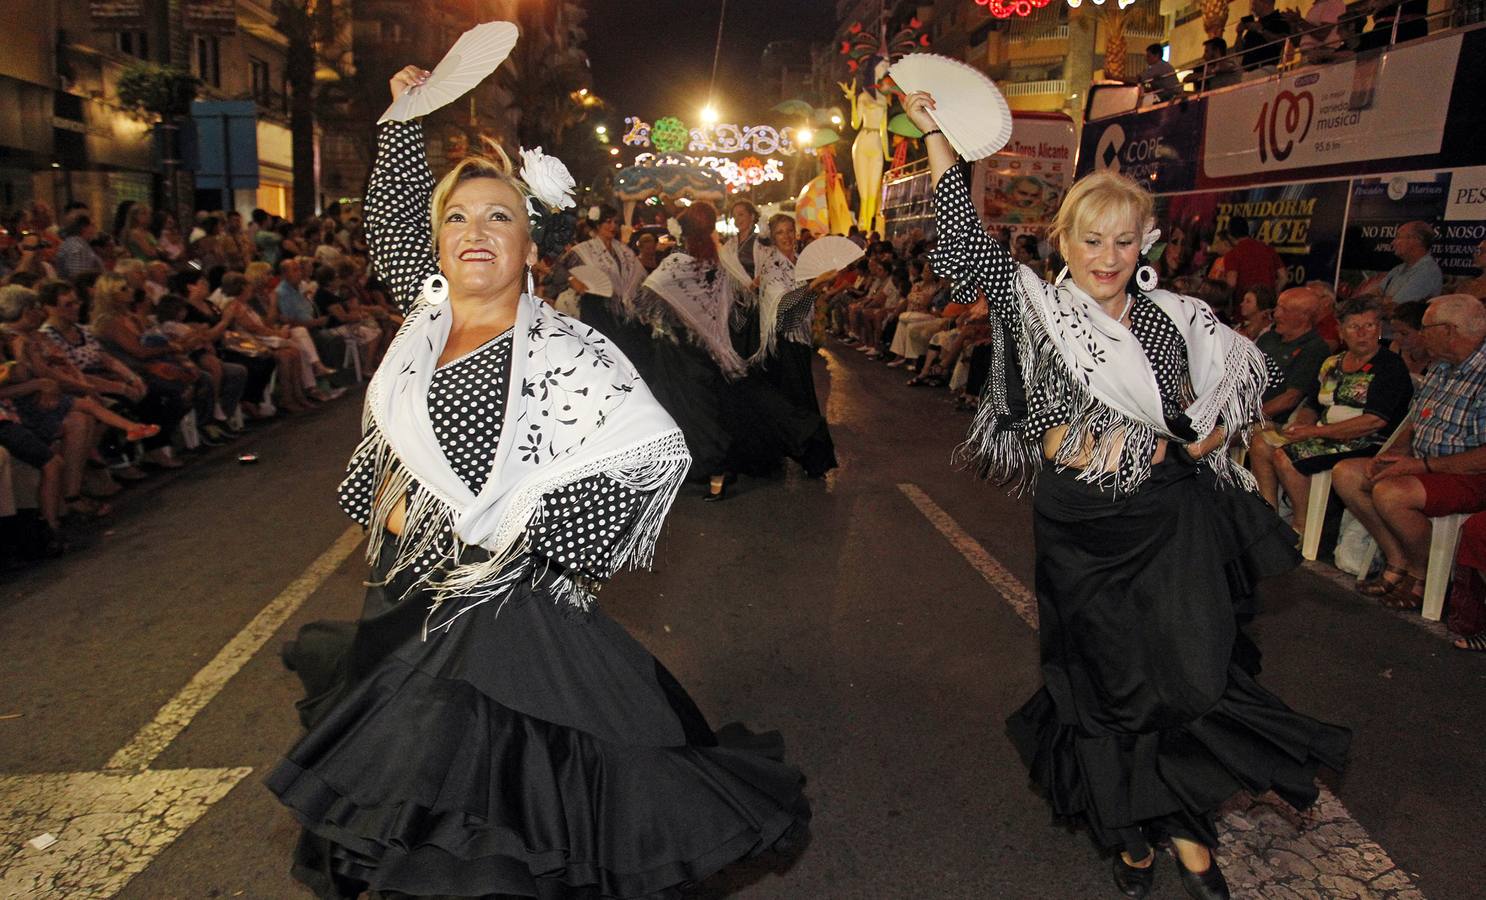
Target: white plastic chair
(1320,495)
(1444,540)
(352,357)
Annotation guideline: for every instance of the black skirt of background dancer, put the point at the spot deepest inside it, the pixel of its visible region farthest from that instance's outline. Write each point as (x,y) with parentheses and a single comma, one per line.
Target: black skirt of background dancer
(686,381)
(1150,717)
(632,339)
(773,414)
(544,753)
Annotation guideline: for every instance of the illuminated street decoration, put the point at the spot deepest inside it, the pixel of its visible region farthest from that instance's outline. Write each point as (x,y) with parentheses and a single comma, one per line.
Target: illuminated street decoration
(669,134)
(724,137)
(740,175)
(1005,9)
(1077,3)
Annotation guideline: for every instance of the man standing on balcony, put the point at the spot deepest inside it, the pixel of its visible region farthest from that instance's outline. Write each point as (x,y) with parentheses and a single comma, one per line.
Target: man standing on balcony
(1261,35)
(1441,468)
(1159,78)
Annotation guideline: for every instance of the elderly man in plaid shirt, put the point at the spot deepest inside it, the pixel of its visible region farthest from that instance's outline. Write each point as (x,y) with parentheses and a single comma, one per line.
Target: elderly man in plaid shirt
(1437,466)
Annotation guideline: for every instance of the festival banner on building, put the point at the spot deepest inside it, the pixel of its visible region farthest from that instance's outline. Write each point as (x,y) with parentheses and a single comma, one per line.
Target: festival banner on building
(1020,186)
(1373,109)
(111,14)
(1159,147)
(1453,201)
(209,16)
(1302,222)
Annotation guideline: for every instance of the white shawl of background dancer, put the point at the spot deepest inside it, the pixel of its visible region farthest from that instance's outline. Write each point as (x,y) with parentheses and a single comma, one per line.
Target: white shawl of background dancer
(701,295)
(1096,368)
(776,277)
(575,408)
(625,274)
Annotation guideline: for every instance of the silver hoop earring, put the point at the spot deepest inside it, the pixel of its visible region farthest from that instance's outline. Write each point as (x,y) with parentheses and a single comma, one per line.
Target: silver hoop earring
(531,283)
(1145,278)
(436,288)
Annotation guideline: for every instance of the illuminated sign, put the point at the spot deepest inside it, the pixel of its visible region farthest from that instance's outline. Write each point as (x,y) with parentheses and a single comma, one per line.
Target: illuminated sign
(739,175)
(724,138)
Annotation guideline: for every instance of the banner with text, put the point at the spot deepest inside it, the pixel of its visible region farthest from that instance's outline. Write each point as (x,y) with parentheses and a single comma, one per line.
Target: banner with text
(1453,201)
(1159,147)
(1383,107)
(1021,186)
(1302,222)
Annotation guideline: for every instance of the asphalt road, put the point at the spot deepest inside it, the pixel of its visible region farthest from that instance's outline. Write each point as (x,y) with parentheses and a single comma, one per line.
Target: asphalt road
(836,612)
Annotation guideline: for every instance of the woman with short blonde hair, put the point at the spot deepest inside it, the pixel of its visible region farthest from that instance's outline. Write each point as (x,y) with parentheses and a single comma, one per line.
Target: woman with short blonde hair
(1117,401)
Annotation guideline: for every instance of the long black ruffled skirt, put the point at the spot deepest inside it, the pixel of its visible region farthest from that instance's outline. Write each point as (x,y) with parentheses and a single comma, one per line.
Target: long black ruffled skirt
(1150,716)
(774,413)
(690,386)
(527,752)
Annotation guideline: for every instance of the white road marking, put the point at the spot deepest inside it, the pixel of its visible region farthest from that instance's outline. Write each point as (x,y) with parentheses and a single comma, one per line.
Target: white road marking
(175,715)
(1268,849)
(111,824)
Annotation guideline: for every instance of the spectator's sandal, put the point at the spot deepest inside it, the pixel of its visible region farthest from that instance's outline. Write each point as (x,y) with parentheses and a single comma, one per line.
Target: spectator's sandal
(1472,643)
(1377,587)
(1402,597)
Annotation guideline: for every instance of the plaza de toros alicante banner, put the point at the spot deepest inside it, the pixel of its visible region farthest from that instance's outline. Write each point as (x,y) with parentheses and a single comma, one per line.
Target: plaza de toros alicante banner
(1325,162)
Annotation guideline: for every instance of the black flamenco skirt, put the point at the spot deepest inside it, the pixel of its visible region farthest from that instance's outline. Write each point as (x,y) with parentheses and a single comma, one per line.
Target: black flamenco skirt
(1150,716)
(686,381)
(526,752)
(774,413)
(632,338)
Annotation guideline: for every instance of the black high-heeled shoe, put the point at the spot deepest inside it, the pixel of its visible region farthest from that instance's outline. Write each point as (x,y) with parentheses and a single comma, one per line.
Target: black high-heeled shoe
(718,495)
(1208,884)
(1134,881)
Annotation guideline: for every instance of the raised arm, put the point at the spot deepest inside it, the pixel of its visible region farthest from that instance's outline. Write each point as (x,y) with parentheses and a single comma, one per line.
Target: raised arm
(399,234)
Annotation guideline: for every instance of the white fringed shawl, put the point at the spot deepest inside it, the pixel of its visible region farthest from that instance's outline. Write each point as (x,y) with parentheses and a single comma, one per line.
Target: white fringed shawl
(1079,358)
(622,266)
(701,297)
(575,408)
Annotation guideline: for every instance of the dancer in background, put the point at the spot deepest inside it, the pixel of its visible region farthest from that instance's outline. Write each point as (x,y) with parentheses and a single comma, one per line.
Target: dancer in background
(1118,404)
(485,730)
(613,316)
(738,253)
(688,303)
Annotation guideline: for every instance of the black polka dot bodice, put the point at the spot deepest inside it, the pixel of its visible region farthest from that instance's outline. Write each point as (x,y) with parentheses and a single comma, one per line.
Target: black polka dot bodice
(577,525)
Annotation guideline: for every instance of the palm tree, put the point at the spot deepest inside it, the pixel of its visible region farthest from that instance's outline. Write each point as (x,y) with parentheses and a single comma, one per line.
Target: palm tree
(544,74)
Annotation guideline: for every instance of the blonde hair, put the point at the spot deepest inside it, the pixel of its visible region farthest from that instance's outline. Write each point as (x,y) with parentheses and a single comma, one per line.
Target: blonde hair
(257,272)
(468,169)
(112,298)
(1101,196)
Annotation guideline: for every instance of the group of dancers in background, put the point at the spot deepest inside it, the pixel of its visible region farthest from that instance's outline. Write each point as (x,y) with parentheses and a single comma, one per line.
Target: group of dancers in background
(722,334)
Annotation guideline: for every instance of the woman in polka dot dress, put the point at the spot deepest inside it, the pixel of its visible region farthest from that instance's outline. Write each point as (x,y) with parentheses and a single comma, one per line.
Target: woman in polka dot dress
(1118,404)
(485,730)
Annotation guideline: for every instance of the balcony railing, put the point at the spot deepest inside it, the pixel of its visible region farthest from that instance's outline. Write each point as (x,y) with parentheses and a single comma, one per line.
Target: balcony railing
(1035,88)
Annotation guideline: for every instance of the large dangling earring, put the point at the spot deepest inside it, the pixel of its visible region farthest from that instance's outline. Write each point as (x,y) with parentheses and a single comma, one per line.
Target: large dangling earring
(1061,275)
(1145,278)
(531,283)
(436,288)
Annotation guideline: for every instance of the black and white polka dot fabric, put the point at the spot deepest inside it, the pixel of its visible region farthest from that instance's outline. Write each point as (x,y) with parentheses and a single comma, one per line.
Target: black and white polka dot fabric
(578,525)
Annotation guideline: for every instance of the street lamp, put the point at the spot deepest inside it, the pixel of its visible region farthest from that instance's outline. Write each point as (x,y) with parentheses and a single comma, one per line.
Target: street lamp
(601,130)
(804,136)
(613,151)
(709,114)
(835,119)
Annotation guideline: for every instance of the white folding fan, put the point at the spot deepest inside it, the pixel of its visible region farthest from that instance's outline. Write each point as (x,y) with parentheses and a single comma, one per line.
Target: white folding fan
(470,61)
(595,280)
(967,106)
(826,254)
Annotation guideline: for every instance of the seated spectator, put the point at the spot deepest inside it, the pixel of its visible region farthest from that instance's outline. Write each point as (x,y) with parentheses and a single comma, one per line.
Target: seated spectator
(1296,349)
(1261,35)
(1437,465)
(881,291)
(209,250)
(31,440)
(133,233)
(1158,78)
(337,302)
(1408,339)
(1363,395)
(1249,261)
(229,379)
(1217,295)
(175,385)
(168,239)
(76,256)
(157,280)
(1465,614)
(262,300)
(1327,325)
(1417,275)
(1476,287)
(257,358)
(296,377)
(919,321)
(20,316)
(945,348)
(1218,68)
(30,258)
(876,322)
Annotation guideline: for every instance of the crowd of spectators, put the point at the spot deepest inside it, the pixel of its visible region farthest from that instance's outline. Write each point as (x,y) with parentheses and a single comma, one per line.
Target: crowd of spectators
(127,342)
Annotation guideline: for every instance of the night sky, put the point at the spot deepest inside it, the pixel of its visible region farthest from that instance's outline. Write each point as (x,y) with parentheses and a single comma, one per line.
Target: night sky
(653,57)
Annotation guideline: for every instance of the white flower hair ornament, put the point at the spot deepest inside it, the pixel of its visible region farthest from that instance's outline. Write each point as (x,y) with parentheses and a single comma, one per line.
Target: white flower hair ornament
(593,213)
(674,227)
(1149,241)
(548,179)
